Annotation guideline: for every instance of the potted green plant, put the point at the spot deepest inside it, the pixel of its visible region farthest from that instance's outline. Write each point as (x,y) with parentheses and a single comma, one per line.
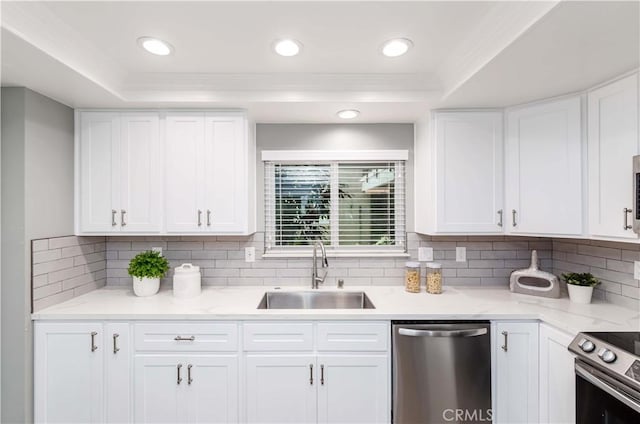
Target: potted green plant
(147,268)
(580,286)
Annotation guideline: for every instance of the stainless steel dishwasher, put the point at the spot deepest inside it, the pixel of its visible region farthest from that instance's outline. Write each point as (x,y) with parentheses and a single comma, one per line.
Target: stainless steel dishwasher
(441,372)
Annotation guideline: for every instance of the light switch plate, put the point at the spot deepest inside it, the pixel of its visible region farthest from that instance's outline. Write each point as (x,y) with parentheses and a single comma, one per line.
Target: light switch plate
(425,254)
(157,249)
(250,254)
(461,254)
(636,270)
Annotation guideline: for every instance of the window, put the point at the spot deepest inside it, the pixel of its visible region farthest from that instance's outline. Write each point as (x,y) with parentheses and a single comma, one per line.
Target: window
(353,206)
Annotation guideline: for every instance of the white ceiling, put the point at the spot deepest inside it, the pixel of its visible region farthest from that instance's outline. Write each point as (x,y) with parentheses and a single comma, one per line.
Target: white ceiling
(465,54)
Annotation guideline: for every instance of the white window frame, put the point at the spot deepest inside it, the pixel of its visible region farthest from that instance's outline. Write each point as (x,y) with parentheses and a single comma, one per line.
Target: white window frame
(334,157)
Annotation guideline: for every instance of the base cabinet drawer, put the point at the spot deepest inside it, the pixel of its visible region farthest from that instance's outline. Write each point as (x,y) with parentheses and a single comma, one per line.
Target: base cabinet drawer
(358,336)
(186,337)
(278,336)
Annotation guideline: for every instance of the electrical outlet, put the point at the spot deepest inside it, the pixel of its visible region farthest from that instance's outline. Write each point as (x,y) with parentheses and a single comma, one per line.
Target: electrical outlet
(250,254)
(425,254)
(636,270)
(461,254)
(157,249)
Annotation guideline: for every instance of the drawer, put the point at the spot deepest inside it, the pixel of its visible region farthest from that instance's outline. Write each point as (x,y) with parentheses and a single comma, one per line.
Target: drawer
(267,337)
(348,336)
(191,336)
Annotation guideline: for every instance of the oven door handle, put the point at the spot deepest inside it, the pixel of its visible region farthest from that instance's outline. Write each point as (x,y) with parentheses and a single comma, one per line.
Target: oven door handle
(607,388)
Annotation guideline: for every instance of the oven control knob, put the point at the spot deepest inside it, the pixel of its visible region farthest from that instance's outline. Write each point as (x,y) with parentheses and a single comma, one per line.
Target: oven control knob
(607,356)
(586,345)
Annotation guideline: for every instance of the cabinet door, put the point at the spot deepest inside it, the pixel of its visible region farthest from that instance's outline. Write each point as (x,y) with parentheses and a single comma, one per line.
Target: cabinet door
(469,169)
(98,145)
(225,164)
(544,169)
(160,389)
(557,377)
(68,373)
(117,356)
(613,141)
(213,389)
(516,373)
(353,389)
(184,173)
(139,166)
(281,389)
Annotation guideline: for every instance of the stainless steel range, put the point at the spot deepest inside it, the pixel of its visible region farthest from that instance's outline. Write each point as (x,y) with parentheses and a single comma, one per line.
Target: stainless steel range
(607,370)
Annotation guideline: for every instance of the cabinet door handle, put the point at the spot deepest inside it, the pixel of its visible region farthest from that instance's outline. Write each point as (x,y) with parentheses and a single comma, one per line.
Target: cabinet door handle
(179,367)
(122,214)
(311,374)
(93,341)
(321,374)
(626,212)
(513,217)
(113,217)
(189,379)
(184,339)
(199,218)
(116,349)
(208,218)
(505,346)
(500,220)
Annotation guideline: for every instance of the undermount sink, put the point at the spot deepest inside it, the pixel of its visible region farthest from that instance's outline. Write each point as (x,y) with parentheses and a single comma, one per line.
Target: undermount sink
(315,300)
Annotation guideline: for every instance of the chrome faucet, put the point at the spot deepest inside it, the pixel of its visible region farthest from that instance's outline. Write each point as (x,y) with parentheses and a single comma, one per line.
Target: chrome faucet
(315,280)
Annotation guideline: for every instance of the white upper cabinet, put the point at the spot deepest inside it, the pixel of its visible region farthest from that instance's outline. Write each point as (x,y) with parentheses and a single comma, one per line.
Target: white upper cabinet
(612,142)
(196,181)
(207,165)
(119,173)
(543,169)
(468,172)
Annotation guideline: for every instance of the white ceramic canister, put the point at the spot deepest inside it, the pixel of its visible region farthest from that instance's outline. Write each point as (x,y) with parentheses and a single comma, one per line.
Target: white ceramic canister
(186,281)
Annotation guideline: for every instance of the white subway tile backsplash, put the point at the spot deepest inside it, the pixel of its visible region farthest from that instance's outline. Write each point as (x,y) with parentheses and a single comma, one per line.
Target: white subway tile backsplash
(66,267)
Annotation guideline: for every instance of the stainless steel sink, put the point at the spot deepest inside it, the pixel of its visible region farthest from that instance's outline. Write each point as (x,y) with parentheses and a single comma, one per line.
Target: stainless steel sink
(315,300)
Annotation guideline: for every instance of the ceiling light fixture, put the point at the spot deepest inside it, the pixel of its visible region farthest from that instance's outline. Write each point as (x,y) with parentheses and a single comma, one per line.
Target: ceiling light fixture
(348,113)
(287,47)
(155,46)
(396,47)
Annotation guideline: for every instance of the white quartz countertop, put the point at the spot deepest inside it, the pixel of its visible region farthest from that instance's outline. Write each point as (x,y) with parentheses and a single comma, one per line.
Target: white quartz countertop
(392,303)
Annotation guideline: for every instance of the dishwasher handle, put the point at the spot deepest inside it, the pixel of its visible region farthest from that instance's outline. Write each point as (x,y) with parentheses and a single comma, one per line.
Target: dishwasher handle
(470,332)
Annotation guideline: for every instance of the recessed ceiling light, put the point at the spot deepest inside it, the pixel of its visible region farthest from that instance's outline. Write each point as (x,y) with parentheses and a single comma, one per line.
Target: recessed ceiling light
(287,47)
(348,113)
(155,46)
(396,47)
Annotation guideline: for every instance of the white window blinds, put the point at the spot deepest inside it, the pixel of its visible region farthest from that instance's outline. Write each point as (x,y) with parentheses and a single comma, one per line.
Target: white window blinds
(350,205)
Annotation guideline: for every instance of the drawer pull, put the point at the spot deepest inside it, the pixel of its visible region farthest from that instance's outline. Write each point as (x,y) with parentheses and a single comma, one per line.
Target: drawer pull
(184,339)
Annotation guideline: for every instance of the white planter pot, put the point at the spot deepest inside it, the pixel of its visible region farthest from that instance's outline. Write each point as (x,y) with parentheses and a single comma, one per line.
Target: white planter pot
(580,294)
(145,286)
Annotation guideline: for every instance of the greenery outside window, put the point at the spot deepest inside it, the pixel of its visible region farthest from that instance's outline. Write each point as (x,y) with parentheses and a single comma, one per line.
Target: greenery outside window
(353,206)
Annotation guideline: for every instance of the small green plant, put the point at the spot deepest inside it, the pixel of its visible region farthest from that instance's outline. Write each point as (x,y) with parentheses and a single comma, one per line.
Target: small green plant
(585,279)
(148,264)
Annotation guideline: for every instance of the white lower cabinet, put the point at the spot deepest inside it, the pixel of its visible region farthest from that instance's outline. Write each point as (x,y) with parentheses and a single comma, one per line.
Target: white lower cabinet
(515,372)
(281,388)
(353,389)
(340,373)
(557,377)
(188,388)
(78,378)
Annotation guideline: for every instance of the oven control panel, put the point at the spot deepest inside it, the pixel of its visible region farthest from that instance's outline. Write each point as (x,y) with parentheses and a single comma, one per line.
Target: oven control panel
(634,371)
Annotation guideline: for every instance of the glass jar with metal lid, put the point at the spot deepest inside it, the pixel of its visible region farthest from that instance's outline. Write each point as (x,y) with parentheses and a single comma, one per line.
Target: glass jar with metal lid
(434,278)
(412,277)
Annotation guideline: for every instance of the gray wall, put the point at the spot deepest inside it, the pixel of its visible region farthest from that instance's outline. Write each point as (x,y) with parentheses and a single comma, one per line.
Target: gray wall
(333,137)
(37,201)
